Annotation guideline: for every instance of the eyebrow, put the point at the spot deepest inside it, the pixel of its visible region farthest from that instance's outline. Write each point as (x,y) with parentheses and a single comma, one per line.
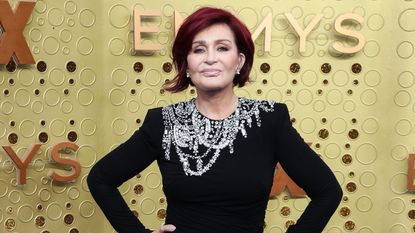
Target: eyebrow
(203,42)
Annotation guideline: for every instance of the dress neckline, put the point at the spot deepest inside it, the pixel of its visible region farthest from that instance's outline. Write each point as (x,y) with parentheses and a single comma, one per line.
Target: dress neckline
(198,141)
(238,106)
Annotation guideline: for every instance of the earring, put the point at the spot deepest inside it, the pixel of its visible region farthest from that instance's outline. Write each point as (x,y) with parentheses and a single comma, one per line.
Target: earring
(237,72)
(187,75)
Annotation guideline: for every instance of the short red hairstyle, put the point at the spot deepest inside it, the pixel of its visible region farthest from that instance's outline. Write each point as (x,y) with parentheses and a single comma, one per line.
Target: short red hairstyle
(198,21)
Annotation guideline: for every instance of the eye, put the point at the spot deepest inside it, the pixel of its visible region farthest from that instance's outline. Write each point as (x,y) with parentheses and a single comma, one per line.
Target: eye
(223,48)
(198,50)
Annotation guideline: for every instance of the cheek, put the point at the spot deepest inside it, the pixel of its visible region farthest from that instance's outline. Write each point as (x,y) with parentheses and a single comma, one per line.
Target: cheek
(231,66)
(192,62)
(234,61)
(188,61)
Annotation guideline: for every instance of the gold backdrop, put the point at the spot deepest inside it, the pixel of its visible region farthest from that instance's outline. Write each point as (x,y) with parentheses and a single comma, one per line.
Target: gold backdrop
(88,87)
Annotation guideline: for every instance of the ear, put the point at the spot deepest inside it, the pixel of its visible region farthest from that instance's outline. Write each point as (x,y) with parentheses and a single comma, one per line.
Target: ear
(241,60)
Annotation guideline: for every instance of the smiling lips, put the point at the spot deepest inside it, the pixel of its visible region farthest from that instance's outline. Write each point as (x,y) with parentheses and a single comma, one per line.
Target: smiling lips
(210,72)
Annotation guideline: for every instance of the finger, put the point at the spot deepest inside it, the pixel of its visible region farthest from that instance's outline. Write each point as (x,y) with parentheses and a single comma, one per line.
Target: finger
(168,228)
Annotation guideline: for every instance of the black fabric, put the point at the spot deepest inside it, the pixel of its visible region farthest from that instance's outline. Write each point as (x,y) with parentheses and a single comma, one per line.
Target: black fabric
(232,196)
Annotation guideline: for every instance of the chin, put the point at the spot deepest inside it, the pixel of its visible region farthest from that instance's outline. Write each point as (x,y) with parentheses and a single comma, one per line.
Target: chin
(212,88)
(209,88)
(212,84)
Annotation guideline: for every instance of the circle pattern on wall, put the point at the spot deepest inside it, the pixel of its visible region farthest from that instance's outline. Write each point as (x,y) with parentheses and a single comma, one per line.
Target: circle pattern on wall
(90,87)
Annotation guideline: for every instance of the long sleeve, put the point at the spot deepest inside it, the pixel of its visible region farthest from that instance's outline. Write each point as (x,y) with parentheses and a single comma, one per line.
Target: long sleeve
(118,166)
(309,171)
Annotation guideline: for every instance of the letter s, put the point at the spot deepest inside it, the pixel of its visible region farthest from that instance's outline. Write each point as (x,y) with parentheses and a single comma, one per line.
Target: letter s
(76,167)
(337,26)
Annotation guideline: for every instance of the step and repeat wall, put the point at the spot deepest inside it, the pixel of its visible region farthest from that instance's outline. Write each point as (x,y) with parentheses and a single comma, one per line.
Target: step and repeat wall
(344,68)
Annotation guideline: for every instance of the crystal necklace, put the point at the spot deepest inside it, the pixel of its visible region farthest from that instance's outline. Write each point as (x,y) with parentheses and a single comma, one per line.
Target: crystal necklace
(198,140)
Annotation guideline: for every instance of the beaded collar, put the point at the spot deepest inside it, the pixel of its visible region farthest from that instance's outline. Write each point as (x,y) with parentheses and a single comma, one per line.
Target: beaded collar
(199,140)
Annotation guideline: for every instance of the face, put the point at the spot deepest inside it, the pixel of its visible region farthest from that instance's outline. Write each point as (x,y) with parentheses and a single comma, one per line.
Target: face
(214,59)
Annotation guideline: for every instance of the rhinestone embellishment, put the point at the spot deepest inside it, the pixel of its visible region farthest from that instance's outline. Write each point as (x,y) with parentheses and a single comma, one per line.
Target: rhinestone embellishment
(199,140)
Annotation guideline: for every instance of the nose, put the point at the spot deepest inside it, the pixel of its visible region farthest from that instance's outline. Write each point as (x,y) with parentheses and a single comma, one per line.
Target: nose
(211,57)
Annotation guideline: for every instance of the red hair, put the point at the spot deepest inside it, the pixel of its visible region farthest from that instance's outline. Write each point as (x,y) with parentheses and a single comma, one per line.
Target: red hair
(198,21)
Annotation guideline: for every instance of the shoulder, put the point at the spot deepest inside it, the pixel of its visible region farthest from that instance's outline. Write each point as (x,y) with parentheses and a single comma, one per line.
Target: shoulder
(153,112)
(178,110)
(270,112)
(153,117)
(179,105)
(152,126)
(263,105)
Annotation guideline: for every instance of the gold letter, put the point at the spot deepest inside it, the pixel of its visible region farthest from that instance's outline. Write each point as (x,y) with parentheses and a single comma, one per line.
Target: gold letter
(360,38)
(54,155)
(281,180)
(411,172)
(265,24)
(12,24)
(21,166)
(303,33)
(178,20)
(138,29)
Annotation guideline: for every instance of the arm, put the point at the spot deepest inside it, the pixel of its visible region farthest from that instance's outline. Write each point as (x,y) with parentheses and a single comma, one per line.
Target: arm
(306,168)
(118,166)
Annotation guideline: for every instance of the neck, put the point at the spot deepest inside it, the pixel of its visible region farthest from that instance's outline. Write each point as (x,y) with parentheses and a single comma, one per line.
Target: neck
(216,106)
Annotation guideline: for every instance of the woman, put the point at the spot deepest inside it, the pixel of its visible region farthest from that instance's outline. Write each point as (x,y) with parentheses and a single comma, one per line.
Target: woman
(217,152)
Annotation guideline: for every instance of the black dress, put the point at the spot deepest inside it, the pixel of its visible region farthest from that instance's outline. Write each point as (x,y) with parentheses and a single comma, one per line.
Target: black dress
(217,174)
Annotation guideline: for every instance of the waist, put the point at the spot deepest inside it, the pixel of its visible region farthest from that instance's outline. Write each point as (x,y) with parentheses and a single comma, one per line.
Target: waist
(190,218)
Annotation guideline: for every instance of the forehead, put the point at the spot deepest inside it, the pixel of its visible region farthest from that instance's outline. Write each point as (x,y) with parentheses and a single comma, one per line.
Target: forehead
(215,32)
